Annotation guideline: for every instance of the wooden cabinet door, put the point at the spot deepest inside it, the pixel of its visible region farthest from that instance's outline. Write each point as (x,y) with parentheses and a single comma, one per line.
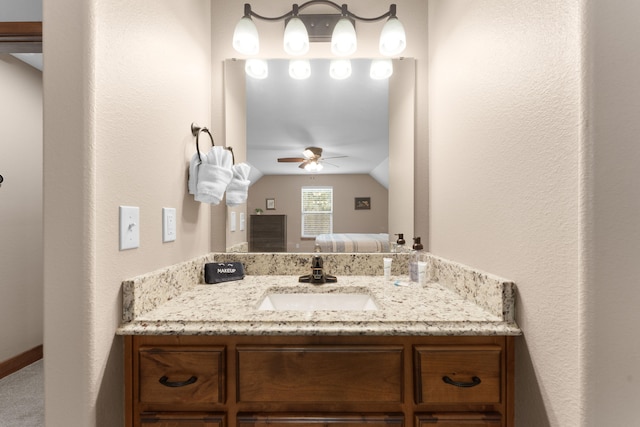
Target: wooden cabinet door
(468,419)
(182,420)
(458,374)
(324,420)
(181,376)
(341,373)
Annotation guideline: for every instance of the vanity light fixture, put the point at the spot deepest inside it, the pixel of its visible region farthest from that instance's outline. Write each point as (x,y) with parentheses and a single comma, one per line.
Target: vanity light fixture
(300,29)
(299,69)
(257,68)
(296,38)
(381,69)
(340,69)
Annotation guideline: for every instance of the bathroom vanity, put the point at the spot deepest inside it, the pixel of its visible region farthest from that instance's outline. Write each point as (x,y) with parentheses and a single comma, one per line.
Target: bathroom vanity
(216,355)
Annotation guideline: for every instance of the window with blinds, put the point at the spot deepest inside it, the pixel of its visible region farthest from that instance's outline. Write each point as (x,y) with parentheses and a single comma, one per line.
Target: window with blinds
(317,211)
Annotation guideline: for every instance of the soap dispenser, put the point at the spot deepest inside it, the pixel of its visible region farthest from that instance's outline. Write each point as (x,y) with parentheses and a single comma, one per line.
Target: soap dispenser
(400,243)
(416,256)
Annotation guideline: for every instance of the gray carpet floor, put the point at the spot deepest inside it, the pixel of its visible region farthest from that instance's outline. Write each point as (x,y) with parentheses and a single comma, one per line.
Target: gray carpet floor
(22,397)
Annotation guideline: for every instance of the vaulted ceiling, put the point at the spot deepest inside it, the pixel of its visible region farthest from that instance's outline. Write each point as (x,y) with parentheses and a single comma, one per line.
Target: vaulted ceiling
(347,118)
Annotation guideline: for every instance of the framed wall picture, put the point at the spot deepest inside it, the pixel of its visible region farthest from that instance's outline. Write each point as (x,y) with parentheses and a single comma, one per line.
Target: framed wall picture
(271,204)
(363,203)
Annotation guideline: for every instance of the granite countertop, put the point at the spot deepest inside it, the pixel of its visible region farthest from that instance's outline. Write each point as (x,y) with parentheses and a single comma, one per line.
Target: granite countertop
(231,309)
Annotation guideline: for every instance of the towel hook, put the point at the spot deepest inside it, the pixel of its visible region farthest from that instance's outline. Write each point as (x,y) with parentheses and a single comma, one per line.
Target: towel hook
(195,131)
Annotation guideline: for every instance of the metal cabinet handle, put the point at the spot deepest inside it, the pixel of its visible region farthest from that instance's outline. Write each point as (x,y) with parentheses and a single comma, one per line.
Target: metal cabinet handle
(474,382)
(165,382)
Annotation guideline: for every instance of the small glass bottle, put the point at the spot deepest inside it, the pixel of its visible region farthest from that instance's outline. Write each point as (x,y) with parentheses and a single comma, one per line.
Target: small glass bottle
(416,256)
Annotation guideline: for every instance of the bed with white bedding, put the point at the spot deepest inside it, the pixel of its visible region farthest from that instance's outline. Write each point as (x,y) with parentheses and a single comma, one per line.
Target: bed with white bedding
(353,242)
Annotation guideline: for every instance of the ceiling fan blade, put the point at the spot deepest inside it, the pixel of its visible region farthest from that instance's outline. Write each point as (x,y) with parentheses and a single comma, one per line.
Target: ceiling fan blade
(332,164)
(291,159)
(334,157)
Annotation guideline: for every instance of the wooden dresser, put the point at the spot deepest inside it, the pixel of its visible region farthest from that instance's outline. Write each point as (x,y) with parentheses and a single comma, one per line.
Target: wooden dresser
(268,233)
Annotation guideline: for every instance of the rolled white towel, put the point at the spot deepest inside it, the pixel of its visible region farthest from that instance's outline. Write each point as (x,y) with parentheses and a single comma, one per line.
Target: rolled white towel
(212,182)
(214,174)
(237,191)
(193,173)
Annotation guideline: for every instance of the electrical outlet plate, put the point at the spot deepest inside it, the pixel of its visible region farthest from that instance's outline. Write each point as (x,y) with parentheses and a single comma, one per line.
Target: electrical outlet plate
(129,227)
(169,224)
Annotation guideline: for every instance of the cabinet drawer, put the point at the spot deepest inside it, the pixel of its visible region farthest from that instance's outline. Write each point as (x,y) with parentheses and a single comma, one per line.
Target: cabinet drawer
(463,419)
(320,374)
(336,420)
(174,375)
(182,420)
(458,374)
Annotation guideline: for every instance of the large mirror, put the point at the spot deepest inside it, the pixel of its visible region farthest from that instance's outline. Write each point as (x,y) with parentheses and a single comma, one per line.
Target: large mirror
(365,131)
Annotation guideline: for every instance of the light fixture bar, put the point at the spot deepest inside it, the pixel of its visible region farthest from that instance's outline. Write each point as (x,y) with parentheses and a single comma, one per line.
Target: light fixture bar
(302,29)
(248,12)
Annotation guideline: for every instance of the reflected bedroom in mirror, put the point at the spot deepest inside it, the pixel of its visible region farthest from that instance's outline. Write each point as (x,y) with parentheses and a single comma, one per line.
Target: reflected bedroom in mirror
(332,159)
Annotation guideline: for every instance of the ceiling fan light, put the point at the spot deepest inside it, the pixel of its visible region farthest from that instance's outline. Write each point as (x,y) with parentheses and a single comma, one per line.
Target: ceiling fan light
(299,69)
(257,68)
(296,38)
(245,37)
(340,69)
(393,39)
(381,69)
(308,153)
(313,166)
(343,38)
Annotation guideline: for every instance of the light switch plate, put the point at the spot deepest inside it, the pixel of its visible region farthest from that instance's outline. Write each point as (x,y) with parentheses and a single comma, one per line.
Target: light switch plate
(169,224)
(129,227)
(232,222)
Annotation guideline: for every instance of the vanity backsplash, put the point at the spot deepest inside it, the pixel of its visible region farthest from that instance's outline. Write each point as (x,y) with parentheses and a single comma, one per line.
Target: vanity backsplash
(145,292)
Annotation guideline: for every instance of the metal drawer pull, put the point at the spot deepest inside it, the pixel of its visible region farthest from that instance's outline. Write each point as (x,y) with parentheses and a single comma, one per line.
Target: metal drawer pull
(165,381)
(474,382)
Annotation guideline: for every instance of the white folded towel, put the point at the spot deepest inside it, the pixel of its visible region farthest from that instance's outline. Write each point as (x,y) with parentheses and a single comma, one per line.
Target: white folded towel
(212,181)
(193,173)
(237,191)
(214,175)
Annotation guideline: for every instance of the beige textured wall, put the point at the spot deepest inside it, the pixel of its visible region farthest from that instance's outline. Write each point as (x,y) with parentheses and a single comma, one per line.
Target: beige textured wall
(20,207)
(505,118)
(286,189)
(123,82)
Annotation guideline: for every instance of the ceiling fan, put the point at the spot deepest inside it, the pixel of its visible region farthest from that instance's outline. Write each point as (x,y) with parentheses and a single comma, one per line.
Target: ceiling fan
(311,159)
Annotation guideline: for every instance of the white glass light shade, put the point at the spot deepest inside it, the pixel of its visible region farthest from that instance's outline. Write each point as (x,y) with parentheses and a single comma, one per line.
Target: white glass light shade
(393,40)
(245,37)
(340,69)
(299,69)
(296,38)
(257,68)
(343,38)
(381,69)
(313,167)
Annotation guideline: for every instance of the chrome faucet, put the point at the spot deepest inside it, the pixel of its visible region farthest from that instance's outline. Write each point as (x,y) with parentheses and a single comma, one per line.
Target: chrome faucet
(317,275)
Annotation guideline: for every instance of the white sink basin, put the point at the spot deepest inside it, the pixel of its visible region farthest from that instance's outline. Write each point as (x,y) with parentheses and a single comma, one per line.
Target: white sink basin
(318,301)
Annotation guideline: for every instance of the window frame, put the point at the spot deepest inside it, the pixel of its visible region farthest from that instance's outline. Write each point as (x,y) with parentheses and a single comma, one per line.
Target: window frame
(309,189)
